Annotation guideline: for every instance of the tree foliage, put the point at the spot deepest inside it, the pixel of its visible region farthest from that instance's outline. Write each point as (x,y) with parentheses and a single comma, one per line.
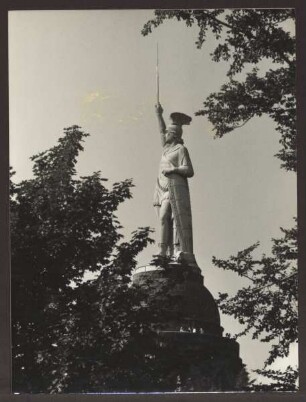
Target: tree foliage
(69,334)
(284,381)
(267,307)
(248,37)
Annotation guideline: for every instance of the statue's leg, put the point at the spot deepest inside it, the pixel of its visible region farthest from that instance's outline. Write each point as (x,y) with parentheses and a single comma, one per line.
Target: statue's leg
(170,240)
(165,225)
(176,241)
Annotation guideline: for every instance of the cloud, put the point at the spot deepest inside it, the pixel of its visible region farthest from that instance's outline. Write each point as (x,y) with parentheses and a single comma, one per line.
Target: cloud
(98,115)
(93,106)
(93,96)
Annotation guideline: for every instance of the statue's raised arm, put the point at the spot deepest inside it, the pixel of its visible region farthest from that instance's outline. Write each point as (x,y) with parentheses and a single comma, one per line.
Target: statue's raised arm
(161,123)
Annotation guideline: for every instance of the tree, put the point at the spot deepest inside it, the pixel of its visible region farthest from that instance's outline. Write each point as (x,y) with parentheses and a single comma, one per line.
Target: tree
(245,38)
(70,334)
(279,380)
(267,307)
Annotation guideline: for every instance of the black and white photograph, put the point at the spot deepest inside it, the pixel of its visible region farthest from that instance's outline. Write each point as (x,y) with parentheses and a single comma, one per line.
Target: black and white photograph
(153,201)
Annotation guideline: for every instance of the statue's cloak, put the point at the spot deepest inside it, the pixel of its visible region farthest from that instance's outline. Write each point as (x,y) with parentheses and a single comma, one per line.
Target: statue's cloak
(181,210)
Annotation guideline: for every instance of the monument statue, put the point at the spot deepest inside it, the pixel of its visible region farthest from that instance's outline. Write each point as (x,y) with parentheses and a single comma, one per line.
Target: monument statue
(171,196)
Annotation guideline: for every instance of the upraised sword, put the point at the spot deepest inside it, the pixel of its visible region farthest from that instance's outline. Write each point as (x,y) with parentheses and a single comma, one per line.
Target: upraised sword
(157,75)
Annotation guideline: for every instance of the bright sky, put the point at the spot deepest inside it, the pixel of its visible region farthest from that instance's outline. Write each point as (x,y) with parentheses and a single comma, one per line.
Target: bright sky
(96,70)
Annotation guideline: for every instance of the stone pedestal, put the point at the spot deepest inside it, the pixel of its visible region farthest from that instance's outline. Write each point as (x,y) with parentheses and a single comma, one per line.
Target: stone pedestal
(191,306)
(201,358)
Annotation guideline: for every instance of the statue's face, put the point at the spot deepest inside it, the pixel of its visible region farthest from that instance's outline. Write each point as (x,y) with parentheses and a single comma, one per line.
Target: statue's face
(172,134)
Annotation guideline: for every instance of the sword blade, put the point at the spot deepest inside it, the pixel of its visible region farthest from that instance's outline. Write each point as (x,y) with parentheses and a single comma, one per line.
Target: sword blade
(157,74)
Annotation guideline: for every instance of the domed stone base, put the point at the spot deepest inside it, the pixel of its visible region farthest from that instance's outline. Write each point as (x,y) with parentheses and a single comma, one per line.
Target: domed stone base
(189,304)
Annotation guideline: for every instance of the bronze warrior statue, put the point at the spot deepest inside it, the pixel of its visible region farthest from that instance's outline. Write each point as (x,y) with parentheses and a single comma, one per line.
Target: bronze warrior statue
(171,197)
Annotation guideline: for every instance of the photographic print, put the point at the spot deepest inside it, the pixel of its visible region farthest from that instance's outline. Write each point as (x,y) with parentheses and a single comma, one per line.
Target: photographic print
(153,200)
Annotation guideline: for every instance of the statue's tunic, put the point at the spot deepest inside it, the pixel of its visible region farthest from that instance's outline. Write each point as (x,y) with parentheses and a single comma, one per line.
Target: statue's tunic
(175,188)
